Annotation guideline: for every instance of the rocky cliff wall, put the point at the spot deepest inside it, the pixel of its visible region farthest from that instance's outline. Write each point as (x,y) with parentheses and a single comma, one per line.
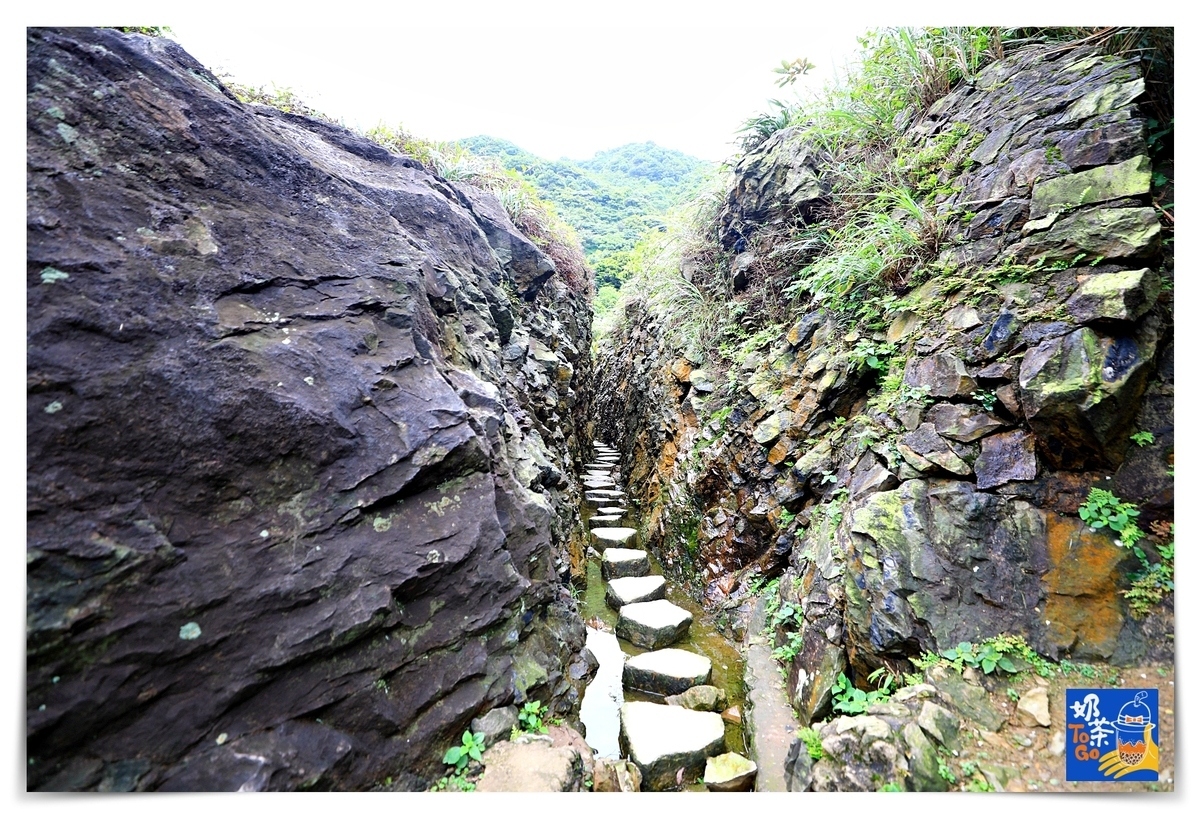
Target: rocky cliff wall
(911,512)
(301,429)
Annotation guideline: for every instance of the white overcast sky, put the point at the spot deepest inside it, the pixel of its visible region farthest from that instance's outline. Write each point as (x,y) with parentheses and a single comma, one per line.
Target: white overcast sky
(569,89)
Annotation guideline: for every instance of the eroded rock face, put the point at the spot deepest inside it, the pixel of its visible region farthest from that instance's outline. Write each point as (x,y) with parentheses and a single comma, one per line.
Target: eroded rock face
(300,419)
(908,515)
(779,180)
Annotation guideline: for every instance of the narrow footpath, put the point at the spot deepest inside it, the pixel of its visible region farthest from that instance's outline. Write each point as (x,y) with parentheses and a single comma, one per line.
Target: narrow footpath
(673,726)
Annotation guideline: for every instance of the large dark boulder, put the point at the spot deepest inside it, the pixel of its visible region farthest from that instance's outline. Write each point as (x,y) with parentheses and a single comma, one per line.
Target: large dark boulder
(286,498)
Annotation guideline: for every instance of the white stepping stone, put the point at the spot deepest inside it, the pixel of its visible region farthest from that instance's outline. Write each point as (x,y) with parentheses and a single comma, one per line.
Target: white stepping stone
(730,772)
(667,671)
(628,590)
(604,520)
(661,740)
(599,482)
(603,496)
(604,467)
(624,562)
(653,625)
(604,538)
(611,510)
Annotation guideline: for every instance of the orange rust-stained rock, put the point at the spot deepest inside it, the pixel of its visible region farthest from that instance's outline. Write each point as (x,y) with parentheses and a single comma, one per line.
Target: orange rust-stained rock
(779,452)
(1083,606)
(681,369)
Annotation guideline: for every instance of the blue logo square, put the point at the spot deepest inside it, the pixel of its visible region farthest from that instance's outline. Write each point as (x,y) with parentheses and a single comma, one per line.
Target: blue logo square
(1112,735)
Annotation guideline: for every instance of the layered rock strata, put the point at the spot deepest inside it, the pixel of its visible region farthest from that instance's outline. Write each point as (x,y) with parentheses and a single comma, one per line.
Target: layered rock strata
(301,425)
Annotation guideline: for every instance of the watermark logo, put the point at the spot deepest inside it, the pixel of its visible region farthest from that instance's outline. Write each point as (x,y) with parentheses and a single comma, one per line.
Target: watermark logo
(1112,735)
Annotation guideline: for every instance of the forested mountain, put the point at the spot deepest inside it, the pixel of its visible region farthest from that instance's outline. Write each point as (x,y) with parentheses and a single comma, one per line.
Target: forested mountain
(611,199)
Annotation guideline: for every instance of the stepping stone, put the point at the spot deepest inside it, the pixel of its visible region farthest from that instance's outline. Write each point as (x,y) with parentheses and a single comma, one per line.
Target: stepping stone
(599,482)
(661,740)
(667,671)
(611,510)
(604,467)
(607,537)
(624,562)
(653,625)
(603,496)
(730,772)
(604,520)
(628,590)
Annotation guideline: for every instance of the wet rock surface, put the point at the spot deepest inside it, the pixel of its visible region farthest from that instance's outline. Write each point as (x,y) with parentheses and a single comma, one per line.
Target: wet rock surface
(301,415)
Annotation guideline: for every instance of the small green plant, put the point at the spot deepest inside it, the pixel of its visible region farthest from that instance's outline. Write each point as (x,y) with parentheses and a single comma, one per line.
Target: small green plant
(874,354)
(891,786)
(849,699)
(812,742)
(945,772)
(979,784)
(532,717)
(785,517)
(1154,581)
(985,398)
(470,749)
(1104,509)
(1142,438)
(789,649)
(453,783)
(986,657)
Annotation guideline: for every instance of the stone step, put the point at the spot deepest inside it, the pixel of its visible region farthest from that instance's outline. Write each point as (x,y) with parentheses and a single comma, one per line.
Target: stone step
(661,740)
(595,466)
(604,520)
(603,496)
(606,537)
(611,510)
(629,590)
(599,482)
(624,562)
(667,671)
(653,625)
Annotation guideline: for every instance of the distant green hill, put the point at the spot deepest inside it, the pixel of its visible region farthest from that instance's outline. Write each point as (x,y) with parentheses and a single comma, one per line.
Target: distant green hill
(611,199)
